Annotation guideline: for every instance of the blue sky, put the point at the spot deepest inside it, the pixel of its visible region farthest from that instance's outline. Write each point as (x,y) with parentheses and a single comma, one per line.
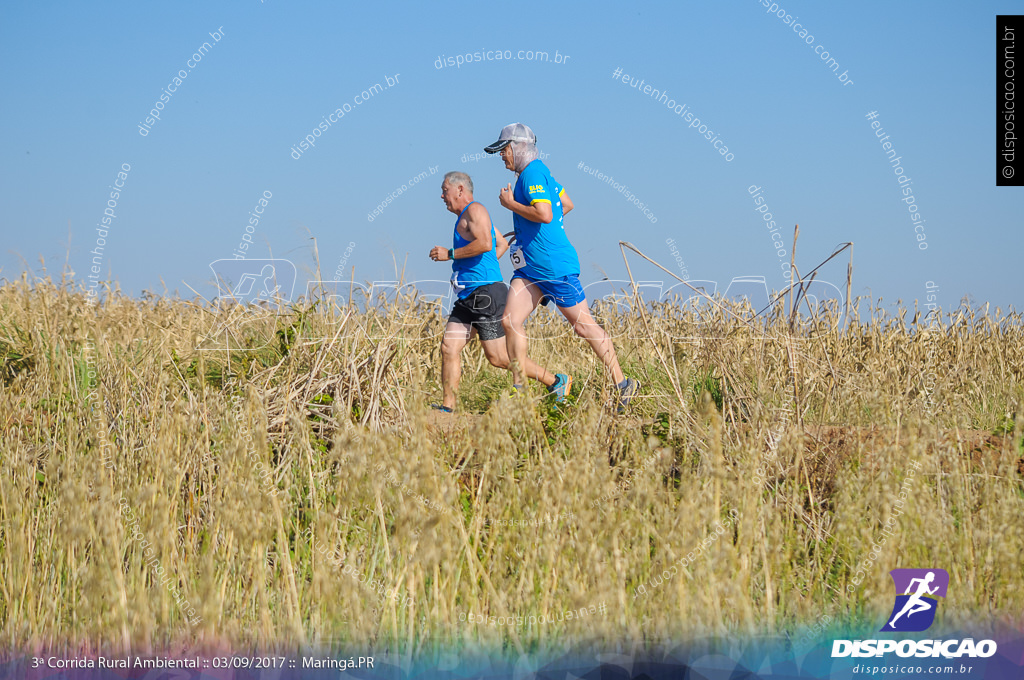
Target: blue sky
(80,78)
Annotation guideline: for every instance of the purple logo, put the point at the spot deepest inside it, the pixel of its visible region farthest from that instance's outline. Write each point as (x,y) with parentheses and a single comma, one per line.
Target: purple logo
(917,598)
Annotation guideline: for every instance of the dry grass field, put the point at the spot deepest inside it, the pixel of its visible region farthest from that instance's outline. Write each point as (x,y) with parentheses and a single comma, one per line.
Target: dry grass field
(302,493)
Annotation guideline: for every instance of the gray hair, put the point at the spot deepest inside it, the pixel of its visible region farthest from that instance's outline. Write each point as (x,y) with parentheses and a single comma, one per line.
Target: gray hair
(456,177)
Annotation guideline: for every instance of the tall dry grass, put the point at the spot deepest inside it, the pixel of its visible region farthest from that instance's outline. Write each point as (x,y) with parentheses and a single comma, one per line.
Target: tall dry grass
(111,406)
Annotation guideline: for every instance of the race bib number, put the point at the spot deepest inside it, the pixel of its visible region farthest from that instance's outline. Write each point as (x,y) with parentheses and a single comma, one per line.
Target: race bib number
(456,286)
(515,254)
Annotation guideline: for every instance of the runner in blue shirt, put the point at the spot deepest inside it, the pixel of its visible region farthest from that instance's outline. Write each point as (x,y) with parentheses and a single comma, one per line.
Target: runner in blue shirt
(479,289)
(545,261)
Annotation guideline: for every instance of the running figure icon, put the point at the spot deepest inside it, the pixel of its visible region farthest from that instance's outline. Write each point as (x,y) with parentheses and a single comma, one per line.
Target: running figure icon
(916,603)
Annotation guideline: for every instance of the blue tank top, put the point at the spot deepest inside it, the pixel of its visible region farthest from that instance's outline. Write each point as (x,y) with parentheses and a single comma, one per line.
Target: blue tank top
(469,273)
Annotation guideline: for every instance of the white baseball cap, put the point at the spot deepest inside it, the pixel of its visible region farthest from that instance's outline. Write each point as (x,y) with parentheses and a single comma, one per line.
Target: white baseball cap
(513,132)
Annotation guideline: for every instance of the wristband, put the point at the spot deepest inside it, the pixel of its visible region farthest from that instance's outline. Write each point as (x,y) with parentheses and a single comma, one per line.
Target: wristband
(451,253)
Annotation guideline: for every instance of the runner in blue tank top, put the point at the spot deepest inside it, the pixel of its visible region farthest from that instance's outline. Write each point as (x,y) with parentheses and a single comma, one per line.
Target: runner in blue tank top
(546,264)
(469,273)
(477,282)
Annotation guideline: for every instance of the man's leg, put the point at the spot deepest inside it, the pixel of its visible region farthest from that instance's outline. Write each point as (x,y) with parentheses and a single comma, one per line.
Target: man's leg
(539,373)
(587,328)
(456,335)
(488,326)
(492,339)
(496,352)
(522,300)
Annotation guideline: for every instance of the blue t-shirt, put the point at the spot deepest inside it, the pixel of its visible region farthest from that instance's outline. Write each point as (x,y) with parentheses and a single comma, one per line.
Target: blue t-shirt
(549,255)
(469,273)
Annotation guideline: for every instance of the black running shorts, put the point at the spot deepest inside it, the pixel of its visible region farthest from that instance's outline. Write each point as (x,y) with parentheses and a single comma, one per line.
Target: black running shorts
(482,309)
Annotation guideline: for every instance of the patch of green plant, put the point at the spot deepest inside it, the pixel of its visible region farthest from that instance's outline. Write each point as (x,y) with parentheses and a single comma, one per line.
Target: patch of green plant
(556,417)
(659,427)
(286,336)
(706,381)
(14,360)
(319,444)
(477,395)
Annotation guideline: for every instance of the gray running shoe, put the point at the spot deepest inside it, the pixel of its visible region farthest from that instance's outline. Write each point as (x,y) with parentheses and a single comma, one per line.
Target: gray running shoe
(626,393)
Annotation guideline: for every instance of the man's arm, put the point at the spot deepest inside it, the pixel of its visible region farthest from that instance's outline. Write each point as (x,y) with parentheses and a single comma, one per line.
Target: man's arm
(478,222)
(538,212)
(502,243)
(566,203)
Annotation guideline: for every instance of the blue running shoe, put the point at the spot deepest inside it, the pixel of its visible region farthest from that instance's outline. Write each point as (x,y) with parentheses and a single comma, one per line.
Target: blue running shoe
(563,383)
